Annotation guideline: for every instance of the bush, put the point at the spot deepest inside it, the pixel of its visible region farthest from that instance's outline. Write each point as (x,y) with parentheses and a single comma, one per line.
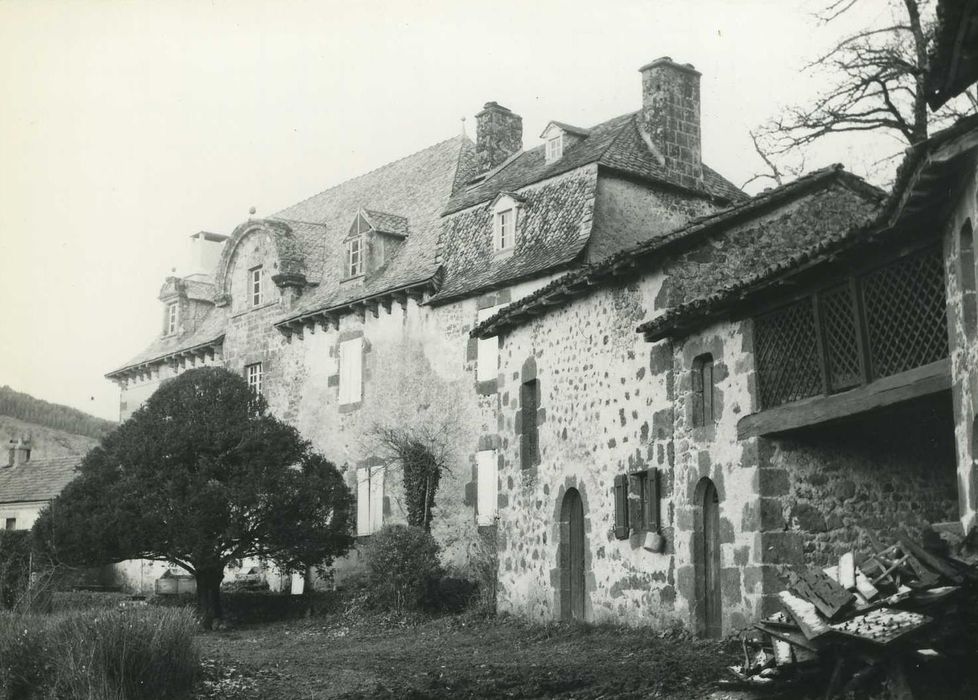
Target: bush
(402,565)
(113,655)
(15,558)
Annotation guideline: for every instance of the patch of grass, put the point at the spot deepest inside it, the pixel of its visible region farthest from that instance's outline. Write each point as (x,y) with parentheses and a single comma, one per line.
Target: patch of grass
(128,654)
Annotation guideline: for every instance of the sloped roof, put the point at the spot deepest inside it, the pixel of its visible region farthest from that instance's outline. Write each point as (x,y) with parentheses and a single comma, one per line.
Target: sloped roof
(209,331)
(829,217)
(37,479)
(413,189)
(616,144)
(953,60)
(910,187)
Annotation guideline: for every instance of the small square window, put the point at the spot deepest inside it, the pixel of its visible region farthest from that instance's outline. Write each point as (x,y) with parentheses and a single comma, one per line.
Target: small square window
(257,286)
(172,312)
(253,373)
(10,524)
(354,257)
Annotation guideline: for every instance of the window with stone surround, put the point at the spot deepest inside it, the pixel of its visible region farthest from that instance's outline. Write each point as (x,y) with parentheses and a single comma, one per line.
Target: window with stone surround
(555,147)
(370,500)
(253,373)
(351,371)
(256,285)
(529,432)
(487,486)
(702,404)
(643,501)
(172,317)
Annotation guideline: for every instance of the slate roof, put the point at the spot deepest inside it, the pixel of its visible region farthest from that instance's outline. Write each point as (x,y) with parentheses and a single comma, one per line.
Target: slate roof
(413,189)
(901,199)
(209,331)
(615,144)
(824,218)
(953,60)
(37,479)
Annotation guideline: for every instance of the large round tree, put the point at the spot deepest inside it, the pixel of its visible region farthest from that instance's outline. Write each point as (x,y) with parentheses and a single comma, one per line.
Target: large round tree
(201,476)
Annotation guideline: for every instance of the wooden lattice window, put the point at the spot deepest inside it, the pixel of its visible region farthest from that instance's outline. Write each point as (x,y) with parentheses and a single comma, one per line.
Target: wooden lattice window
(906,316)
(886,321)
(787,354)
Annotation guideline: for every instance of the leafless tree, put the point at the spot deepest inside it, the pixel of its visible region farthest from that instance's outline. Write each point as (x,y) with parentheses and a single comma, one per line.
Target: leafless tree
(876,84)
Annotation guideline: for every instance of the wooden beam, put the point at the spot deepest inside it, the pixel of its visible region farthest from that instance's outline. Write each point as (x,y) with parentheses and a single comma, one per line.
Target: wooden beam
(921,381)
(373,306)
(401,299)
(386,303)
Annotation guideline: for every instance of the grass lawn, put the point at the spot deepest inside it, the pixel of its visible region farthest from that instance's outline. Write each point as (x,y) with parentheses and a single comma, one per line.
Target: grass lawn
(454,657)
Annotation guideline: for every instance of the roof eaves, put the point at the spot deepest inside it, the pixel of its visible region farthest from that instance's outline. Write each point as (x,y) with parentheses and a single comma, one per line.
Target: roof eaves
(196,349)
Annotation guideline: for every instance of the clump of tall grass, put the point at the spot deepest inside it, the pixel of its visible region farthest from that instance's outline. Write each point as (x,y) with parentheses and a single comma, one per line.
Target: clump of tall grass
(128,654)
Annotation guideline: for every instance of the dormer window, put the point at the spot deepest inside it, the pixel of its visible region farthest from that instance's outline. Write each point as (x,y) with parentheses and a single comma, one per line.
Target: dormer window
(257,287)
(172,314)
(505,218)
(555,147)
(354,257)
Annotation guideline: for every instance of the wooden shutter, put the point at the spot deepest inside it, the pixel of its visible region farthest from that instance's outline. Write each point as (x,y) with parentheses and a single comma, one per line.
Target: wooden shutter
(376,498)
(529,439)
(486,496)
(363,501)
(651,502)
(487,367)
(621,507)
(636,512)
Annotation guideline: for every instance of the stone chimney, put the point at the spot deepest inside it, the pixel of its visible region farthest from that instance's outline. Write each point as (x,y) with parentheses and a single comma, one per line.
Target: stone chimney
(499,134)
(19,452)
(205,252)
(670,117)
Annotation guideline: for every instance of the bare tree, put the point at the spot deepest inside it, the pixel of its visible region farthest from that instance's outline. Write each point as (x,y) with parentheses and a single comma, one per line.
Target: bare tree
(876,84)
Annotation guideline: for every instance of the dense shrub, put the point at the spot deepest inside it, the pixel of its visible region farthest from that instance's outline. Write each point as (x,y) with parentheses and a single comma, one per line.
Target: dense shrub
(401,565)
(112,655)
(15,562)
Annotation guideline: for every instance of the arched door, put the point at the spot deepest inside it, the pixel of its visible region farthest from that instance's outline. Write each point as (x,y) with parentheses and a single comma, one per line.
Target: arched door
(708,560)
(572,556)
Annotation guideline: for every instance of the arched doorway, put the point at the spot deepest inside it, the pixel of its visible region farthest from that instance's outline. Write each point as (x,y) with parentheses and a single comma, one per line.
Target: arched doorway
(572,556)
(707,560)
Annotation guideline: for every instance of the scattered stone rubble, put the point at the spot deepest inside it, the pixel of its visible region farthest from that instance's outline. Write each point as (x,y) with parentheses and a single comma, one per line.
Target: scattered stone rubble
(875,612)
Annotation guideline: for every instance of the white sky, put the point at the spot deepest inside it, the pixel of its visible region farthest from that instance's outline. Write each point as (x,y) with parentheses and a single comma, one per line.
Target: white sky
(127,126)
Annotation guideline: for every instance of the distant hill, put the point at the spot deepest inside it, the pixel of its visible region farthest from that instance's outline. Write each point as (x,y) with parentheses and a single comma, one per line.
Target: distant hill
(58,417)
(45,442)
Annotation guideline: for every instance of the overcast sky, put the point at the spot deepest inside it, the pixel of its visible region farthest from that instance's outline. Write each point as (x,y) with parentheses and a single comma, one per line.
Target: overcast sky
(127,126)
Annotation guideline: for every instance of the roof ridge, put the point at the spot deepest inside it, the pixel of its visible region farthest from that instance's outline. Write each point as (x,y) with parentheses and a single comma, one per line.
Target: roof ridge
(460,138)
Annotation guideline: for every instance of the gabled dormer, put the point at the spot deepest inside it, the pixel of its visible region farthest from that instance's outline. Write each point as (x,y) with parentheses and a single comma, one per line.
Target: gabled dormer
(558,138)
(372,241)
(185,302)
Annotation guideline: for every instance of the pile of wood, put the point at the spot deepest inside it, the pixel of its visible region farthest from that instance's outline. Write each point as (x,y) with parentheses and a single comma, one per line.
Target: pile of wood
(841,626)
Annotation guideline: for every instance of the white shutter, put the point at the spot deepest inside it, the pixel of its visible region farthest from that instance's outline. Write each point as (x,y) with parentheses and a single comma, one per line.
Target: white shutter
(486,486)
(363,501)
(351,370)
(376,498)
(487,368)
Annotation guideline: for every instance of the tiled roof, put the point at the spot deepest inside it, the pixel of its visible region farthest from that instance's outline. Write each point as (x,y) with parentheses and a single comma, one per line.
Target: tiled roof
(615,144)
(414,190)
(37,479)
(554,226)
(569,128)
(209,331)
(822,219)
(693,312)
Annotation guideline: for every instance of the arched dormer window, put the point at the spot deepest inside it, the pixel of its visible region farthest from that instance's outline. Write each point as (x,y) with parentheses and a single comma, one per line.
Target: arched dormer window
(505,221)
(356,247)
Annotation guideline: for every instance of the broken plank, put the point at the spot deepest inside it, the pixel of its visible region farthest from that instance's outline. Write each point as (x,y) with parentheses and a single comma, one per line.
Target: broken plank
(792,636)
(847,571)
(804,614)
(929,560)
(819,589)
(866,589)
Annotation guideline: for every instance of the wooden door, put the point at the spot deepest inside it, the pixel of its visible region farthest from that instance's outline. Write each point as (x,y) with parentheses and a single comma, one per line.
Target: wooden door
(572,557)
(710,566)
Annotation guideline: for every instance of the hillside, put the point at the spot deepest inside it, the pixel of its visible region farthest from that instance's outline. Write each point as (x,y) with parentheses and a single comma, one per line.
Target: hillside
(46,442)
(60,418)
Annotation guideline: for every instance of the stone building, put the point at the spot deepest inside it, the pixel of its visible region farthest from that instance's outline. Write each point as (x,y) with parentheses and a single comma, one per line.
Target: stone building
(351,310)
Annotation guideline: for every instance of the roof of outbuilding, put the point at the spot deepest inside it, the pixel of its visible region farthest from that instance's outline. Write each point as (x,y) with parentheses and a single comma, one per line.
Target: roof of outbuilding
(608,271)
(37,479)
(696,311)
(616,144)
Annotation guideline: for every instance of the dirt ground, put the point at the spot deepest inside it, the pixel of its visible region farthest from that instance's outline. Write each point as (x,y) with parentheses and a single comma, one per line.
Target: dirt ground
(455,657)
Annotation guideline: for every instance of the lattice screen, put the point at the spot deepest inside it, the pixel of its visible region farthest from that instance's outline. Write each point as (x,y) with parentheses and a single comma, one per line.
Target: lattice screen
(787,354)
(835,310)
(905,314)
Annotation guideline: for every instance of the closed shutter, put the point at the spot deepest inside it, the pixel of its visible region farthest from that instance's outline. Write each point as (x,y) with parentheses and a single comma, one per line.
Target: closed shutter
(363,501)
(376,498)
(351,370)
(636,487)
(487,367)
(652,499)
(487,486)
(621,507)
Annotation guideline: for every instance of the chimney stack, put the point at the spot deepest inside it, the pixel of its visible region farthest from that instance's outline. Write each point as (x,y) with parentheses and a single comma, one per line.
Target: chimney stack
(670,117)
(498,135)
(19,452)
(206,250)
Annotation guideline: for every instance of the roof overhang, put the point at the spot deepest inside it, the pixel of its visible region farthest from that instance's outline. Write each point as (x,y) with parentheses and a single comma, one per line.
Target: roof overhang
(200,350)
(954,58)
